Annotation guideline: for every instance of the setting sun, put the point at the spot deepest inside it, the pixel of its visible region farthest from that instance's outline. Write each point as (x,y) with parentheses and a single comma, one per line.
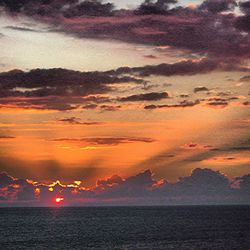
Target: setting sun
(59,199)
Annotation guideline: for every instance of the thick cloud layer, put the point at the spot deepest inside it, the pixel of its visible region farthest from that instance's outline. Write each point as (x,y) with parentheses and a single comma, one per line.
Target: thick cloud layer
(203,186)
(210,28)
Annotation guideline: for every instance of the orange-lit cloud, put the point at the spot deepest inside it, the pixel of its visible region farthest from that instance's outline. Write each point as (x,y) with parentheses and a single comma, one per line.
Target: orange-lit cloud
(201,187)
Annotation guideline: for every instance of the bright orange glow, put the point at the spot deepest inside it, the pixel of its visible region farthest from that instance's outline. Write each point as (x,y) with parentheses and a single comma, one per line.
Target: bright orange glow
(37,190)
(59,199)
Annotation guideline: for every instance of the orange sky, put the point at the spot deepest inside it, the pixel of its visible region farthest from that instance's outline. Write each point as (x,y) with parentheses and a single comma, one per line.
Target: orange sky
(41,141)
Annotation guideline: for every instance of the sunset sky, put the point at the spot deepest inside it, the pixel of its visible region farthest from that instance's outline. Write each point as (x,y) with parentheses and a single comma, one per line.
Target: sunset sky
(92,89)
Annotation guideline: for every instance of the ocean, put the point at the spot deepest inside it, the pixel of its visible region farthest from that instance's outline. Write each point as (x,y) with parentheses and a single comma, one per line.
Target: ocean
(173,227)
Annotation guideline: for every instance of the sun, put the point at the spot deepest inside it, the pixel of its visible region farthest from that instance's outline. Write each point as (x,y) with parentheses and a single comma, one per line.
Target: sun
(58,200)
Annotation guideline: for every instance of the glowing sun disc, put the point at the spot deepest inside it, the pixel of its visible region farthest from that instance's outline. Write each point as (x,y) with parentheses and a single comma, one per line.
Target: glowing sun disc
(59,199)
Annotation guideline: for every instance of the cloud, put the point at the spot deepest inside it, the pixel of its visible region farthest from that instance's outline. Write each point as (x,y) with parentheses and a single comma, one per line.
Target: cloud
(89,8)
(150,56)
(159,7)
(229,149)
(217,6)
(206,29)
(244,184)
(134,186)
(113,141)
(212,102)
(77,121)
(113,180)
(246,103)
(200,89)
(15,189)
(153,96)
(110,107)
(185,67)
(182,104)
(40,103)
(90,106)
(56,89)
(57,82)
(62,89)
(245,78)
(18,28)
(217,104)
(242,22)
(195,146)
(203,186)
(6,137)
(184,95)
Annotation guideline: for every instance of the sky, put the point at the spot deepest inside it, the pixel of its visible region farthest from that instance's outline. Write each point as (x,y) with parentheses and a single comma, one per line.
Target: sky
(132,102)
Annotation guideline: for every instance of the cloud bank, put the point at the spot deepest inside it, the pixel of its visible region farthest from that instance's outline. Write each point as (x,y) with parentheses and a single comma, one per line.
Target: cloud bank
(211,28)
(203,186)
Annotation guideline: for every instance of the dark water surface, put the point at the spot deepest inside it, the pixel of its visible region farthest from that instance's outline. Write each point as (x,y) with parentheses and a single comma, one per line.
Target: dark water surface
(191,227)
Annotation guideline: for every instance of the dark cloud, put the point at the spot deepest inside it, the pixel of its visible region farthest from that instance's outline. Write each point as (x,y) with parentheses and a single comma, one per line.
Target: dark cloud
(185,29)
(153,96)
(3,137)
(15,189)
(242,22)
(24,29)
(218,101)
(57,89)
(41,103)
(90,106)
(89,8)
(229,149)
(113,180)
(96,99)
(202,182)
(33,7)
(110,107)
(203,186)
(62,89)
(150,56)
(245,78)
(184,95)
(221,104)
(77,121)
(202,30)
(246,103)
(182,104)
(103,107)
(216,6)
(134,186)
(245,6)
(158,7)
(200,89)
(195,146)
(244,184)
(180,68)
(106,140)
(58,82)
